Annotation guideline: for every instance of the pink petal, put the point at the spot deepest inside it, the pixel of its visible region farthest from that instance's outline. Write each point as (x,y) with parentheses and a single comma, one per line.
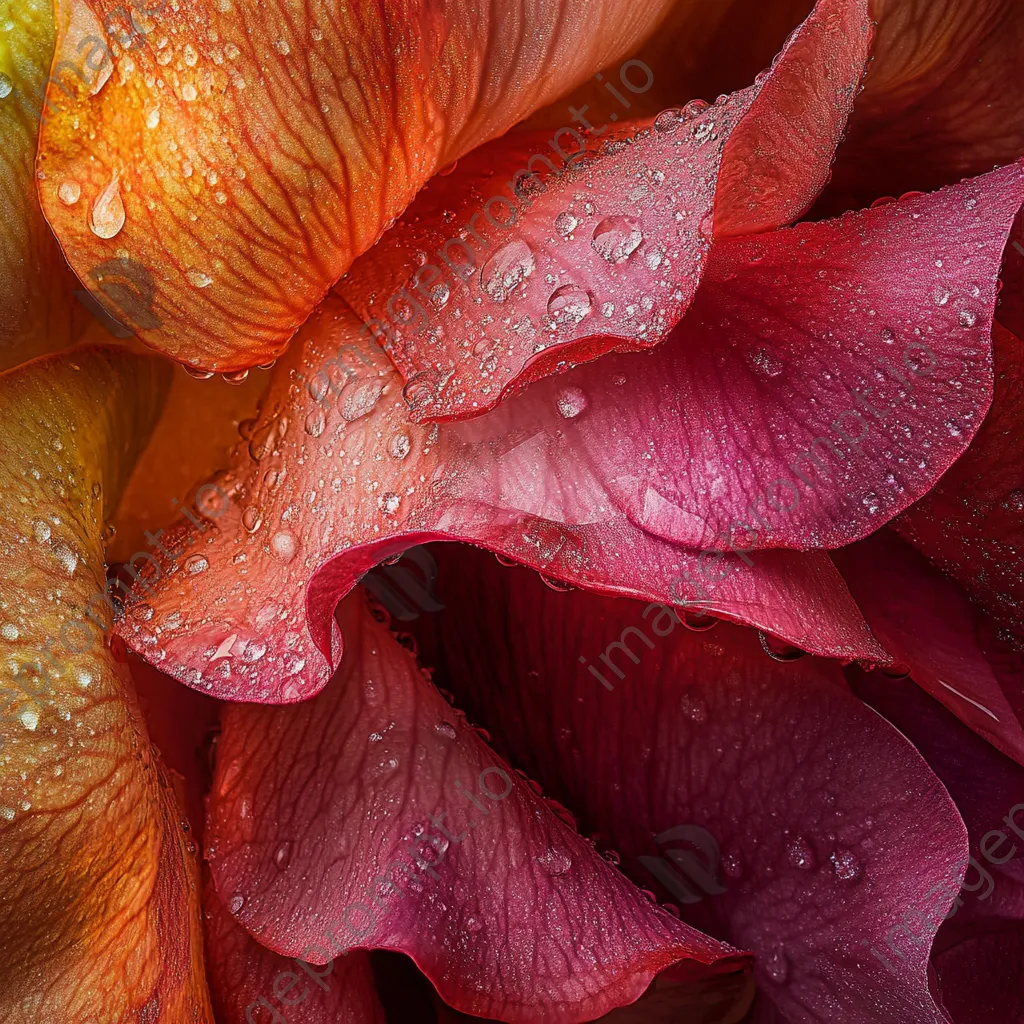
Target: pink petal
(970,525)
(247,978)
(534,270)
(827,821)
(328,486)
(373,816)
(926,622)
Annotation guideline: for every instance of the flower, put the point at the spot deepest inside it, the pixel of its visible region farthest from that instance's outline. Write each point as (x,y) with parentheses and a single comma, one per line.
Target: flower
(740,426)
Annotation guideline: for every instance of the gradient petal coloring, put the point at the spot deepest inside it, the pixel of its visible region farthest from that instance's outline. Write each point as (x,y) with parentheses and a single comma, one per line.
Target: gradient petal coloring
(325,845)
(244,153)
(82,794)
(608,250)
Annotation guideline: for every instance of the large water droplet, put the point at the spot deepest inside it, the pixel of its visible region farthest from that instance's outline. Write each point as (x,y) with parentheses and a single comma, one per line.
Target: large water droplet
(283,855)
(236,903)
(6,86)
(669,120)
(285,545)
(571,402)
(69,192)
(846,865)
(398,446)
(251,519)
(197,278)
(565,223)
(196,564)
(359,399)
(617,238)
(800,854)
(555,862)
(967,318)
(445,729)
(507,269)
(569,304)
(694,108)
(107,215)
(779,650)
(315,423)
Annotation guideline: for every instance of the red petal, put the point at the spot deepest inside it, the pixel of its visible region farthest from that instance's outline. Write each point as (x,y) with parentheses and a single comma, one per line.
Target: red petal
(607,256)
(927,623)
(828,822)
(231,615)
(247,978)
(323,846)
(970,525)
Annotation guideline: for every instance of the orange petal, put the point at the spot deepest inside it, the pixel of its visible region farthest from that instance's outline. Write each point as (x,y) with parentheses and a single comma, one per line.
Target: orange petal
(943,100)
(243,153)
(38,313)
(100,917)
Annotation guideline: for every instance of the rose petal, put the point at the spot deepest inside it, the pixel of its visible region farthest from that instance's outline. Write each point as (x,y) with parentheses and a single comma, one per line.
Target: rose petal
(38,313)
(100,917)
(819,823)
(335,478)
(927,623)
(608,254)
(509,913)
(942,99)
(245,153)
(970,525)
(247,978)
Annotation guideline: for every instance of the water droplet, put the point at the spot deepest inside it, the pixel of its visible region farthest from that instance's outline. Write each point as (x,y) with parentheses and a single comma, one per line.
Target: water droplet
(846,865)
(507,269)
(263,439)
(315,423)
(704,131)
(694,108)
(555,862)
(9,631)
(67,558)
(285,545)
(617,238)
(283,855)
(565,224)
(698,621)
(235,377)
(473,925)
(388,503)
(40,530)
(569,304)
(236,903)
(282,47)
(556,585)
(359,399)
(398,446)
(669,120)
(571,402)
(253,651)
(445,729)
(251,519)
(6,86)
(777,649)
(107,215)
(197,278)
(940,295)
(967,318)
(800,854)
(69,193)
(196,564)
(188,92)
(29,719)
(198,374)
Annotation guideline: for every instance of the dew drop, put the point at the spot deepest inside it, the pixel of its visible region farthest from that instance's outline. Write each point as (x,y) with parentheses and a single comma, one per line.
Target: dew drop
(69,193)
(6,86)
(846,866)
(473,925)
(107,215)
(669,120)
(197,278)
(556,585)
(9,631)
(698,621)
(282,47)
(571,402)
(196,564)
(565,224)
(315,423)
(198,374)
(253,651)
(694,108)
(236,903)
(800,854)
(445,729)
(251,519)
(388,503)
(398,446)
(779,650)
(507,269)
(284,545)
(617,238)
(41,531)
(67,558)
(152,117)
(29,719)
(569,304)
(967,318)
(283,855)
(235,377)
(555,862)
(359,400)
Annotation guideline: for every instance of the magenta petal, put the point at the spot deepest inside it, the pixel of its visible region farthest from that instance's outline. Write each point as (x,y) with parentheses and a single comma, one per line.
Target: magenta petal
(373,816)
(527,260)
(927,623)
(827,821)
(247,978)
